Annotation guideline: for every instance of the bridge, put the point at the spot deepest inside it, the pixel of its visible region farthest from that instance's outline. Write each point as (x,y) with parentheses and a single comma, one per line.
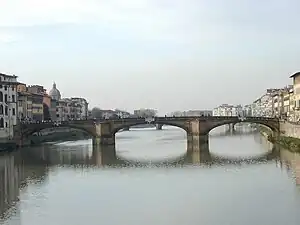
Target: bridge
(103,131)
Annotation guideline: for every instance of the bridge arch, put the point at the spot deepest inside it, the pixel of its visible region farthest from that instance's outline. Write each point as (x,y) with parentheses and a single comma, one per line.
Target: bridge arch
(29,131)
(118,128)
(270,124)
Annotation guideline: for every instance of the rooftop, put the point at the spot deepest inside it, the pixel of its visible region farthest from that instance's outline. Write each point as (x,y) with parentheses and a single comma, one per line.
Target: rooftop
(6,75)
(295,75)
(10,82)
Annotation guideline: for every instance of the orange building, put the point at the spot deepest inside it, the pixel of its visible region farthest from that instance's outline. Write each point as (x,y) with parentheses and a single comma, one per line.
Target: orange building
(47,100)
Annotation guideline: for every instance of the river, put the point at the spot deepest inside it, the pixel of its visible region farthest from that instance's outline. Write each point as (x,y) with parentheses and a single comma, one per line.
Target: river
(149,179)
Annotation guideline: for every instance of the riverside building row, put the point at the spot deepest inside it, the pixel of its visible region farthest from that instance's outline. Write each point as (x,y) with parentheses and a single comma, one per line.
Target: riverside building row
(32,103)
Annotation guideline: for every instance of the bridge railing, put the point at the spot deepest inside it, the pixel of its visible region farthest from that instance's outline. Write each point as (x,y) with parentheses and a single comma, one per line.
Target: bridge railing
(57,123)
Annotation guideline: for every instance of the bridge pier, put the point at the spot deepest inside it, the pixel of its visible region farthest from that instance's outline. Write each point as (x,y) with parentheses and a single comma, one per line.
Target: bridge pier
(198,157)
(231,127)
(104,155)
(197,143)
(104,140)
(159,126)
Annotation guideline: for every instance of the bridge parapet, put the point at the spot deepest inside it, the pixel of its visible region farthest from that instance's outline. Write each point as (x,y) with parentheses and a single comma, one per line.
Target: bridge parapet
(197,128)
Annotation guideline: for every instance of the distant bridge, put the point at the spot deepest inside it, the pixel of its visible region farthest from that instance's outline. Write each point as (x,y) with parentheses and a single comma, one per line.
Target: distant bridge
(103,131)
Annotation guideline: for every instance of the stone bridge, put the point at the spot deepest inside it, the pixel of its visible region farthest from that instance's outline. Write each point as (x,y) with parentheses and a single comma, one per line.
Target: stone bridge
(103,132)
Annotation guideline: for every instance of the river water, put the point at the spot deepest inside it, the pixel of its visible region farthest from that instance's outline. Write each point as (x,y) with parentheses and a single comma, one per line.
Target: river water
(149,179)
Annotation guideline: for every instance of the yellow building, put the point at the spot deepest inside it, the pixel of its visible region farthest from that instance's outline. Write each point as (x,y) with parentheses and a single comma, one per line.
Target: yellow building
(24,103)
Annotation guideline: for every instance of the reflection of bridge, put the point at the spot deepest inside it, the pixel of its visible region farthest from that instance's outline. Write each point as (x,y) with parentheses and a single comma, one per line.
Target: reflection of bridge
(107,156)
(33,163)
(234,133)
(103,132)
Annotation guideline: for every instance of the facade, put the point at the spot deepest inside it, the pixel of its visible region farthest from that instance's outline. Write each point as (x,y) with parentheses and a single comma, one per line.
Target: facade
(37,107)
(53,107)
(228,110)
(192,113)
(145,112)
(64,109)
(266,104)
(62,113)
(247,111)
(198,113)
(72,109)
(47,107)
(37,95)
(24,106)
(295,99)
(106,114)
(122,114)
(282,102)
(81,109)
(8,105)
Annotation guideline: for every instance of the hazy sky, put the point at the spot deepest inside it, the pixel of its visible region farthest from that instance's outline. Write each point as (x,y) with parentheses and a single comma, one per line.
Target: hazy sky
(164,54)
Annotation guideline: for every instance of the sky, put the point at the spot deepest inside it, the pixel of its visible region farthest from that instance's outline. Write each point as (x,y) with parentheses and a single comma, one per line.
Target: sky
(164,54)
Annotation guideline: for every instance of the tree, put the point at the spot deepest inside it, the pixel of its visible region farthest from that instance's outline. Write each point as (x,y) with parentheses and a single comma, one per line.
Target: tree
(96,113)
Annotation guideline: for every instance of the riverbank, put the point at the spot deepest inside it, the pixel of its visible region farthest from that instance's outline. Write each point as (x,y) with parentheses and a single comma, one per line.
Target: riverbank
(43,137)
(290,143)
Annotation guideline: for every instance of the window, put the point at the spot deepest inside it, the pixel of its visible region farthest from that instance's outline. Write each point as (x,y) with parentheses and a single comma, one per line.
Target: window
(1,123)
(5,88)
(1,96)
(1,110)
(6,125)
(13,98)
(6,110)
(5,98)
(14,111)
(12,88)
(20,103)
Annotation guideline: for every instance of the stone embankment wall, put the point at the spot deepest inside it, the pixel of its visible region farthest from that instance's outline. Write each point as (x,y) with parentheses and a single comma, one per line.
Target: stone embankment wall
(289,129)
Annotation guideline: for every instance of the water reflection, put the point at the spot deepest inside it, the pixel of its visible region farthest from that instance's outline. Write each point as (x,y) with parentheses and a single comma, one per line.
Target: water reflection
(106,156)
(290,161)
(11,178)
(30,169)
(17,171)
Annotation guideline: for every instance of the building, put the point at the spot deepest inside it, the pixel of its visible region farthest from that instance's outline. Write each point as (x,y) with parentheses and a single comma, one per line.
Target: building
(62,112)
(122,114)
(198,113)
(282,101)
(37,107)
(247,111)
(37,94)
(74,108)
(295,99)
(81,110)
(53,107)
(24,103)
(265,105)
(8,105)
(47,107)
(145,112)
(176,113)
(54,93)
